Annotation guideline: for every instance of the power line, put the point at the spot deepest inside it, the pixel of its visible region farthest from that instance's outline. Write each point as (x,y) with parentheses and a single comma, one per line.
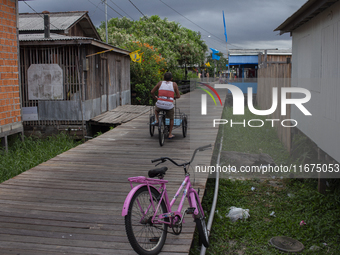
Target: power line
(112,8)
(136,8)
(209,33)
(122,10)
(189,19)
(97,7)
(39,14)
(222,42)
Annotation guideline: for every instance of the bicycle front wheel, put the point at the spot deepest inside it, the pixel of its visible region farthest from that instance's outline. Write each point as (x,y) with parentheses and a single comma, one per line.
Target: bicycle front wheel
(145,237)
(201,226)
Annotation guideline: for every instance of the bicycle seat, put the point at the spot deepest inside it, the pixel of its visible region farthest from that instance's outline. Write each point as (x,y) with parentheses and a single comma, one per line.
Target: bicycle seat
(157,172)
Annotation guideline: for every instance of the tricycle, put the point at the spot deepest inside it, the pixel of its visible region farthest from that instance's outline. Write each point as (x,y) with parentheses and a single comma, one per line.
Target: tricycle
(163,125)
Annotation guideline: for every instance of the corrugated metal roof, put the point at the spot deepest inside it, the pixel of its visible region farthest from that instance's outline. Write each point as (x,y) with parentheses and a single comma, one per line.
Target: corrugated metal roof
(53,37)
(308,11)
(57,37)
(58,20)
(279,52)
(245,52)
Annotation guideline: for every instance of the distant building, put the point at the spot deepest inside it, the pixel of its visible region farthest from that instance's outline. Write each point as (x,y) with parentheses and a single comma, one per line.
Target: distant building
(10,108)
(245,62)
(315,29)
(68,74)
(270,57)
(244,65)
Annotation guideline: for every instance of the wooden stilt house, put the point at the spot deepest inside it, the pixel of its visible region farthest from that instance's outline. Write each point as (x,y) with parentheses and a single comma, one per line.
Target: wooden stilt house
(68,75)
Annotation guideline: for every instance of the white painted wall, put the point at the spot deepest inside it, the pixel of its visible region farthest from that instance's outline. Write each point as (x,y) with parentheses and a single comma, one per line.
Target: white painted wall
(316,65)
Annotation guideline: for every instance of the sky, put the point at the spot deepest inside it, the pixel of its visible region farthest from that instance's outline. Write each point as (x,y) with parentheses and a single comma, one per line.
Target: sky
(250,23)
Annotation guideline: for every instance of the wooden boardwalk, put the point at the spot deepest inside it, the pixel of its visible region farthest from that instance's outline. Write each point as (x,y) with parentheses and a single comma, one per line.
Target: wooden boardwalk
(121,114)
(72,203)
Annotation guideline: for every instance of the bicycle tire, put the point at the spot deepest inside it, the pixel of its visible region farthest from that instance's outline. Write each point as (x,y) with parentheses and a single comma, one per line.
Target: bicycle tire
(161,130)
(144,244)
(184,126)
(201,226)
(152,127)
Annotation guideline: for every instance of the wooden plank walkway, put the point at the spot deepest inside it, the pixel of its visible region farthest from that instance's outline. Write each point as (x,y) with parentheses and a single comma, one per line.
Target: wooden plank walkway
(72,203)
(121,114)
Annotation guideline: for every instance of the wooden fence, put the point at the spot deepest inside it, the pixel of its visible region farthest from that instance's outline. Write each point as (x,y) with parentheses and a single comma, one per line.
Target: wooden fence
(275,75)
(183,86)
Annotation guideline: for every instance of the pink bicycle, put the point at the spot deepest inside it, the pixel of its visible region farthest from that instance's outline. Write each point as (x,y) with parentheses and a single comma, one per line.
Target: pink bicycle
(148,212)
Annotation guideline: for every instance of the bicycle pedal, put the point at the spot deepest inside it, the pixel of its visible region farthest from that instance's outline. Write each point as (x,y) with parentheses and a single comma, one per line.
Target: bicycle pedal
(190,210)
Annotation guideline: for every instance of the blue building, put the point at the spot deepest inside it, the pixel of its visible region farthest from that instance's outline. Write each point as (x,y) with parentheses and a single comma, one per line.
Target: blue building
(243,68)
(244,65)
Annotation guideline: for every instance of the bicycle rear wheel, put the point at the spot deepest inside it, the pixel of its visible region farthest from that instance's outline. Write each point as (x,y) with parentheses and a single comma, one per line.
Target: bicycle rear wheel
(161,130)
(201,226)
(145,237)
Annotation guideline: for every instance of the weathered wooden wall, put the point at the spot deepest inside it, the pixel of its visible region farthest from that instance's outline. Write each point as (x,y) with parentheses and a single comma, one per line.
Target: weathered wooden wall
(76,30)
(108,74)
(269,76)
(119,77)
(65,56)
(273,59)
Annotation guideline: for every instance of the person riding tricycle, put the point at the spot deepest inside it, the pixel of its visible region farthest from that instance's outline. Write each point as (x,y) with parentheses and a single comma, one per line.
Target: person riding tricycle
(165,99)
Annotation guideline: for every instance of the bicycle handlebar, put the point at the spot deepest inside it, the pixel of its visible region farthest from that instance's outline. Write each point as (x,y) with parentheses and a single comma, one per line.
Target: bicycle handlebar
(163,159)
(155,160)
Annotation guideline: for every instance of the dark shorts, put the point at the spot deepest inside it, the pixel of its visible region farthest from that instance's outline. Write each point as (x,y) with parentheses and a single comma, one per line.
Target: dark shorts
(168,113)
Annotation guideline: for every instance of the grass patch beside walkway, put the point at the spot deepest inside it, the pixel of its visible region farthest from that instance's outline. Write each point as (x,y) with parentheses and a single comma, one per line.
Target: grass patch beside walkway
(291,200)
(24,155)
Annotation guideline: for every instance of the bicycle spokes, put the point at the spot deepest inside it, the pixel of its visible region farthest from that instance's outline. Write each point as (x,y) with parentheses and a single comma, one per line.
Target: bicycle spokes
(145,235)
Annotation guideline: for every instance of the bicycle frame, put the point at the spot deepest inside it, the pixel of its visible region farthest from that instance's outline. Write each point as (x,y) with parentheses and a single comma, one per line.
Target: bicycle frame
(148,211)
(188,193)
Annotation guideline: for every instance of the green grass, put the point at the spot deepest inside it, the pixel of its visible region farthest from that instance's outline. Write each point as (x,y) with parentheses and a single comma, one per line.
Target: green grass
(31,152)
(292,200)
(251,139)
(319,212)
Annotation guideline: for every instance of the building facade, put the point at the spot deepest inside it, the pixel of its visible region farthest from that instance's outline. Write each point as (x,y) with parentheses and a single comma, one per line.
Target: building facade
(10,107)
(315,29)
(68,74)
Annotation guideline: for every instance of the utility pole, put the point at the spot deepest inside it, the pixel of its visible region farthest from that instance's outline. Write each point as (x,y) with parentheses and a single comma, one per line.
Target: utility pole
(228,77)
(107,40)
(199,67)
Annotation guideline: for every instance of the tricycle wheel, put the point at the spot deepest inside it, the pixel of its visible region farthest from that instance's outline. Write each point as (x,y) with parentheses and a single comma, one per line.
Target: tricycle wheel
(152,127)
(184,126)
